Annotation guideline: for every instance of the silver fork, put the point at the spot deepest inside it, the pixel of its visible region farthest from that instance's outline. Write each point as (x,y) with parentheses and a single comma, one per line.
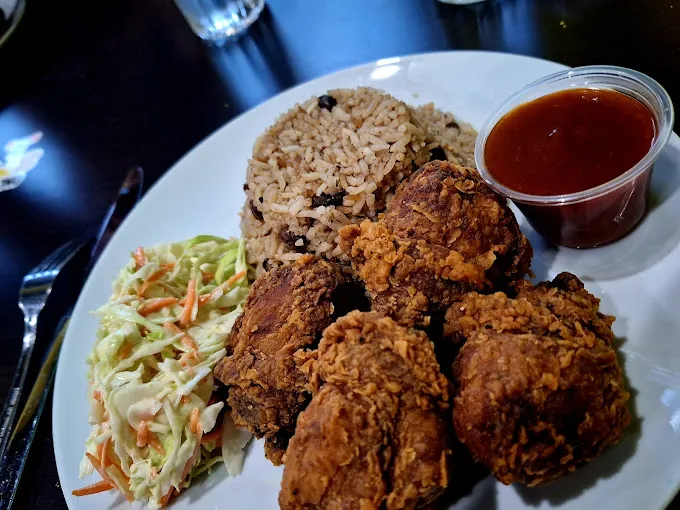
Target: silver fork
(35,289)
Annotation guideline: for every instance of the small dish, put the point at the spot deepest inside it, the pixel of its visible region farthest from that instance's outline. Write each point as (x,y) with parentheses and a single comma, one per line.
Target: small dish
(606,212)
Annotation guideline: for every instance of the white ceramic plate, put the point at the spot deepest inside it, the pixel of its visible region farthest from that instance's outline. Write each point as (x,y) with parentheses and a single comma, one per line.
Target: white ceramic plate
(638,280)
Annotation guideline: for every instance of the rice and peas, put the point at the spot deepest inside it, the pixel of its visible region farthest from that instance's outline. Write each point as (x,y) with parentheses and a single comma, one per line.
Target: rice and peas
(335,160)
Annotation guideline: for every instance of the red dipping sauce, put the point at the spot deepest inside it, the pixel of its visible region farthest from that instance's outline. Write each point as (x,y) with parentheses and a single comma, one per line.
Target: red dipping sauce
(577,161)
(569,141)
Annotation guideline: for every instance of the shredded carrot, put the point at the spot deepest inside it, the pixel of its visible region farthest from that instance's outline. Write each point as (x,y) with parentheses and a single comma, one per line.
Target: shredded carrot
(189,342)
(236,277)
(214,435)
(155,276)
(140,258)
(193,423)
(189,359)
(102,472)
(120,473)
(172,328)
(125,350)
(184,399)
(207,277)
(97,395)
(190,463)
(186,339)
(142,434)
(155,443)
(192,460)
(204,298)
(103,455)
(185,316)
(166,498)
(117,467)
(157,304)
(95,488)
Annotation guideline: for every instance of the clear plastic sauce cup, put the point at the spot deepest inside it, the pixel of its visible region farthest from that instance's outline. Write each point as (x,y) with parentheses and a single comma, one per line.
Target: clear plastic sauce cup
(606,212)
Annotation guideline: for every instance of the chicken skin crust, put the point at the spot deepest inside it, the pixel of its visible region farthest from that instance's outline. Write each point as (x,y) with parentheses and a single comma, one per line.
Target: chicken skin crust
(444,233)
(375,434)
(285,313)
(539,389)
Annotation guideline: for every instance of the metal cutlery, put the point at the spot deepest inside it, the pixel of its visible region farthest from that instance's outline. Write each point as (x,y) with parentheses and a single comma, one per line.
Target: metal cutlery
(12,464)
(35,289)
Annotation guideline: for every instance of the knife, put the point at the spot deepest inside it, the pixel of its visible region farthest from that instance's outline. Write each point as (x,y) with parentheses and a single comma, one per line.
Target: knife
(12,464)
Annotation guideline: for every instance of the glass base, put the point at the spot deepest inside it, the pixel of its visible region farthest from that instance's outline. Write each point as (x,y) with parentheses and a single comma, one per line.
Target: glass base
(217,21)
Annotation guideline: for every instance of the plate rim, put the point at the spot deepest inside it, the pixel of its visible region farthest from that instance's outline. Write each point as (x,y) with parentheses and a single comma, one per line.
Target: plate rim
(161,183)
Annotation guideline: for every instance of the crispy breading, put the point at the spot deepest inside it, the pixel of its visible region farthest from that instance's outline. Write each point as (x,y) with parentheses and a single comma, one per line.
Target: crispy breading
(444,233)
(562,308)
(269,413)
(375,433)
(539,389)
(284,314)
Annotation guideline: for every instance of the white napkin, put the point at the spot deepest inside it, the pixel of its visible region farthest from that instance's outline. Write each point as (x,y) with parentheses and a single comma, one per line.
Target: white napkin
(8,6)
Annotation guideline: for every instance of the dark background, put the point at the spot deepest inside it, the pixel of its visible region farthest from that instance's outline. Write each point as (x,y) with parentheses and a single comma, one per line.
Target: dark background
(119,83)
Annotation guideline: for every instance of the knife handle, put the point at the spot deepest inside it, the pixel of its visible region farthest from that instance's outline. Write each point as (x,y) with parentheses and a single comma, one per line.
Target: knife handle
(14,460)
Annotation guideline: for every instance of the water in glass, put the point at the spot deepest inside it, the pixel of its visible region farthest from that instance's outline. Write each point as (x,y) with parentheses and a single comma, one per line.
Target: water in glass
(219,20)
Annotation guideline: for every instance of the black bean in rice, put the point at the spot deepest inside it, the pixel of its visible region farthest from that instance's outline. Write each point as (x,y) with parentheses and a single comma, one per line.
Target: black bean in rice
(320,167)
(455,138)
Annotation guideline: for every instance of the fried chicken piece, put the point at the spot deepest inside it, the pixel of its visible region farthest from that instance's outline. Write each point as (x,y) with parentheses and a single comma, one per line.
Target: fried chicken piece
(285,313)
(539,387)
(444,233)
(375,433)
(562,303)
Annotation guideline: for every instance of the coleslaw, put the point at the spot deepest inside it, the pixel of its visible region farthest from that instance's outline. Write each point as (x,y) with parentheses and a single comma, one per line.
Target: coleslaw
(155,423)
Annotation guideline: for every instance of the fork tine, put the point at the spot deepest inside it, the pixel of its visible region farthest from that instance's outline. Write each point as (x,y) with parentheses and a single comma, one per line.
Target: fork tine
(60,256)
(48,261)
(70,251)
(45,263)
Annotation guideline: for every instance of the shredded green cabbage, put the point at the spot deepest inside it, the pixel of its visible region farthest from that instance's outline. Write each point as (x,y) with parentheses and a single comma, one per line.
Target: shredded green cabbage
(150,374)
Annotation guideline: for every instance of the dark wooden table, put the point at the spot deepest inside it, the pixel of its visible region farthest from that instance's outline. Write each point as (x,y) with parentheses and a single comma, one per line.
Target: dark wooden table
(119,83)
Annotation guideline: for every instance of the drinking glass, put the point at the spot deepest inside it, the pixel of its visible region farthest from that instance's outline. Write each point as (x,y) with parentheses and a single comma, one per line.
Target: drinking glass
(218,20)
(461,2)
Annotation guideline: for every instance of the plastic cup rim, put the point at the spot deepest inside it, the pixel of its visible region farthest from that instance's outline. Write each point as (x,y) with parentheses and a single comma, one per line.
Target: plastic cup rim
(663,109)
